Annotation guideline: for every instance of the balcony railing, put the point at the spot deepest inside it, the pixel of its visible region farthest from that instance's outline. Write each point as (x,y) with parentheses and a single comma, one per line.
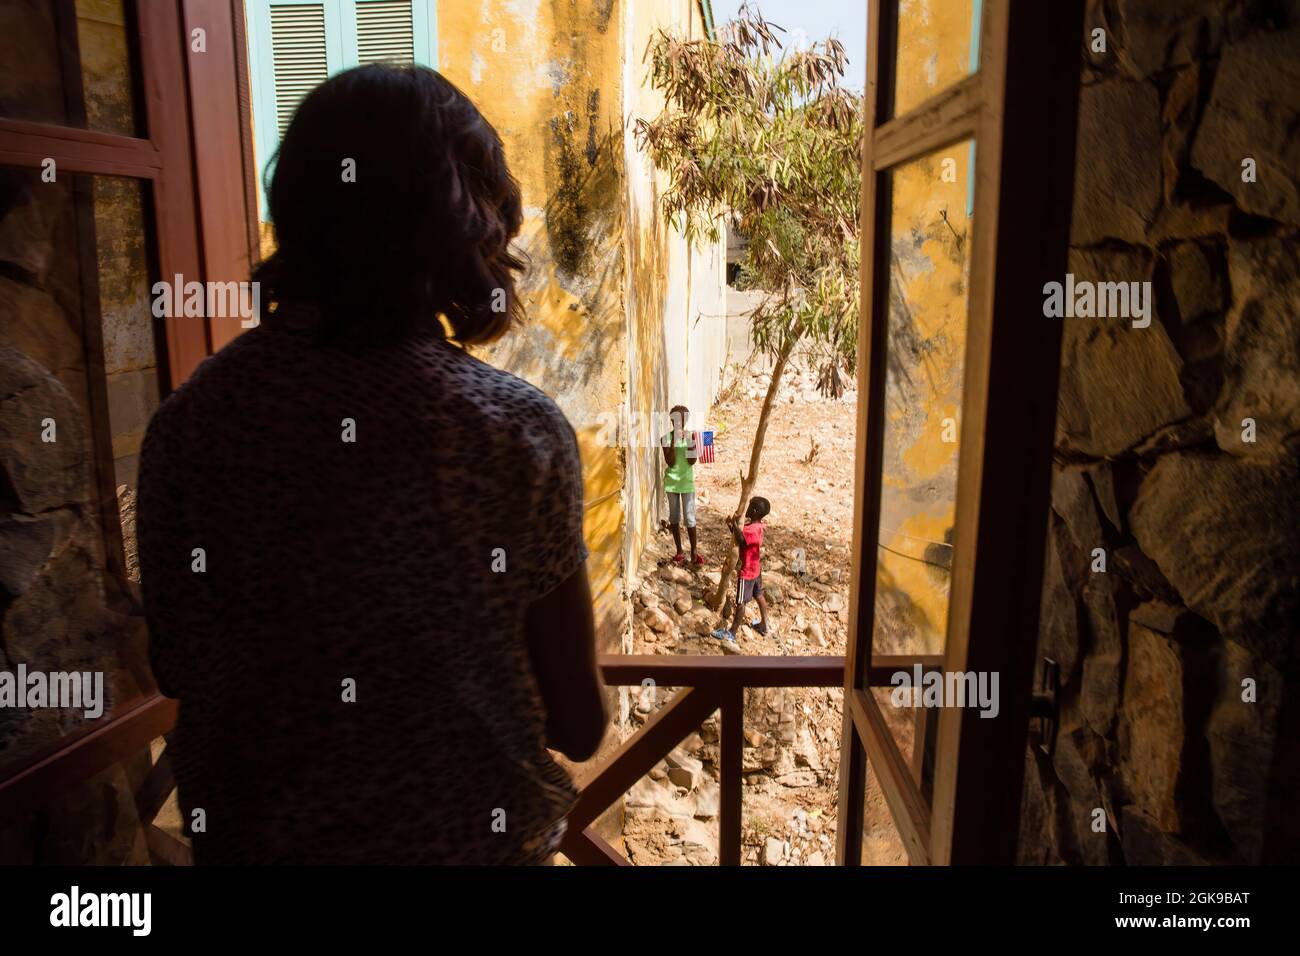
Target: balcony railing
(707,684)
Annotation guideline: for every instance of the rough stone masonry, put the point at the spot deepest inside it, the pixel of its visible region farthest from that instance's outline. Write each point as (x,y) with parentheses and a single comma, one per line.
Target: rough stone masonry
(1177,454)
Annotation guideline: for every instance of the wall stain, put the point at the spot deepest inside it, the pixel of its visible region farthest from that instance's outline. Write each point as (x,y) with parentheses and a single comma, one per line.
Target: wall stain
(568,214)
(604,10)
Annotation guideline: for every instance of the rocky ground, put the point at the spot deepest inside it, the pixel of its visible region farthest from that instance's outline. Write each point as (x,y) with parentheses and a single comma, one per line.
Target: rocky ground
(792,735)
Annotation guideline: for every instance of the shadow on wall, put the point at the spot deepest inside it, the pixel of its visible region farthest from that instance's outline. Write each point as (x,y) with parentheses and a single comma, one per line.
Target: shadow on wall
(649,373)
(572,283)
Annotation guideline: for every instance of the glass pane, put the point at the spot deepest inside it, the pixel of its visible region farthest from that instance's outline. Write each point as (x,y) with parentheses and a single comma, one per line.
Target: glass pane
(128,330)
(900,717)
(929,246)
(78,363)
(938,45)
(70,63)
(881,844)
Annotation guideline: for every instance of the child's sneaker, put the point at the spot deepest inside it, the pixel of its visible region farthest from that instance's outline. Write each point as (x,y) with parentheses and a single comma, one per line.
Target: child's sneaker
(724,634)
(760,627)
(679,558)
(698,561)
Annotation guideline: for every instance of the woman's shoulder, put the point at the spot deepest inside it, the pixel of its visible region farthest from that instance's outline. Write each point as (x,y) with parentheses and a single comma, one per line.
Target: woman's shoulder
(503,395)
(218,376)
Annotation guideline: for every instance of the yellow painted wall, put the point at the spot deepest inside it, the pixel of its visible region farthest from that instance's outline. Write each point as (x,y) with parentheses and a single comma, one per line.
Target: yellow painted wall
(929,245)
(547,75)
(934,48)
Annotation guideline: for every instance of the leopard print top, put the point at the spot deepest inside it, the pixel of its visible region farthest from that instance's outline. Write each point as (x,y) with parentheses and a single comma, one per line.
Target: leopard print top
(398,564)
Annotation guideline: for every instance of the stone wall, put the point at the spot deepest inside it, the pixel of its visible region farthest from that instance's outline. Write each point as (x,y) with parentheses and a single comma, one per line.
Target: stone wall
(1170,597)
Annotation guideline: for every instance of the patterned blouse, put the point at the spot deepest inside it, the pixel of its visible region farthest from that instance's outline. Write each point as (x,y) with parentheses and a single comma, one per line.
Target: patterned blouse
(337,549)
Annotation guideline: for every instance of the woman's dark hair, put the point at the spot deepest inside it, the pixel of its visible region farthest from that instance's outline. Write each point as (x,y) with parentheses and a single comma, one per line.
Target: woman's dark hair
(758,508)
(392,204)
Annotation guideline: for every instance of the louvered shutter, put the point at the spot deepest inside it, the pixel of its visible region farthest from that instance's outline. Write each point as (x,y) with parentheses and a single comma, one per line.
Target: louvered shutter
(299,54)
(385,32)
(295,45)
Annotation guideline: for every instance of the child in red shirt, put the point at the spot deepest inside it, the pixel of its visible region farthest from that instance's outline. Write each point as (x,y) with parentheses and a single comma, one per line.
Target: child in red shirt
(749,581)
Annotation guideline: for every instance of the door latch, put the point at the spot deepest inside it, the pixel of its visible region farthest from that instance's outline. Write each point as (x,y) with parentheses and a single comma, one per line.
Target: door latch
(1045,708)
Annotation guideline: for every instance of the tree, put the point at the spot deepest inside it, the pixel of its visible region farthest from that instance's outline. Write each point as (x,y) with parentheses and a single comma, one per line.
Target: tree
(768,139)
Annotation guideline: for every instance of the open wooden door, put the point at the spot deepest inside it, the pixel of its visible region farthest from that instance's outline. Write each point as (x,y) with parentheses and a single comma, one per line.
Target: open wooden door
(967,177)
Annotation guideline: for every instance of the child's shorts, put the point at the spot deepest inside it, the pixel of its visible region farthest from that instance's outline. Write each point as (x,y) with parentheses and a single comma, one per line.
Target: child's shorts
(679,503)
(746,591)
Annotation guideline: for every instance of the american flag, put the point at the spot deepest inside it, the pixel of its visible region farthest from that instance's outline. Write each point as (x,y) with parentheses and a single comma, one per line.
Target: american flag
(705,444)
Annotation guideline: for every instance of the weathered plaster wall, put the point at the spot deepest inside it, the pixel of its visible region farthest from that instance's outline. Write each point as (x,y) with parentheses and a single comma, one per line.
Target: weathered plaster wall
(626,319)
(706,342)
(1179,738)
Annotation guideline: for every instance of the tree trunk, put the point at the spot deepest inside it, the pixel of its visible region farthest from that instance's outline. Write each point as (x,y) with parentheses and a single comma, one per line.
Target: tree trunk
(747,482)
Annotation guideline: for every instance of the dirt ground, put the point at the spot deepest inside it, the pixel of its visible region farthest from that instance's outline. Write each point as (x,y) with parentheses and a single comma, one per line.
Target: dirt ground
(792,735)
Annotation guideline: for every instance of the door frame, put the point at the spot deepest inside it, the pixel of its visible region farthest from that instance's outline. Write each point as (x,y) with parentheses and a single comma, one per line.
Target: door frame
(1020,107)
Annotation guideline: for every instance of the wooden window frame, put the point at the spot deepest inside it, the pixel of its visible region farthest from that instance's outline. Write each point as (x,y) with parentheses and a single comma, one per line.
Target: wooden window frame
(163,159)
(1020,108)
(217,81)
(186,190)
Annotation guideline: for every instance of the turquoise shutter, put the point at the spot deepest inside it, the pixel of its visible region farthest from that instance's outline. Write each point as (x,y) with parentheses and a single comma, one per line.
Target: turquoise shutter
(386,31)
(295,45)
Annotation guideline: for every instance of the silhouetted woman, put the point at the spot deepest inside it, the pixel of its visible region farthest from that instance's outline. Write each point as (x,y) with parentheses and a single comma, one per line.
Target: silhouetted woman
(361,548)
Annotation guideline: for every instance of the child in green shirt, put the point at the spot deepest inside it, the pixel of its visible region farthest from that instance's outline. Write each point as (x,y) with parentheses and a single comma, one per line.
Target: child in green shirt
(680,454)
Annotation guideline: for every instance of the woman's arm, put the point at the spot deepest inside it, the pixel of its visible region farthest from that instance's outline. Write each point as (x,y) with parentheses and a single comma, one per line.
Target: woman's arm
(561,636)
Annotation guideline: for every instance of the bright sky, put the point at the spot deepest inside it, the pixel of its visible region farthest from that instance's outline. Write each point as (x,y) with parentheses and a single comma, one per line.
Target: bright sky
(818,19)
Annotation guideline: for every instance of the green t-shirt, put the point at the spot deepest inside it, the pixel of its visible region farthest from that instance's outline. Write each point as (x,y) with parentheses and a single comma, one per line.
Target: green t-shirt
(679,477)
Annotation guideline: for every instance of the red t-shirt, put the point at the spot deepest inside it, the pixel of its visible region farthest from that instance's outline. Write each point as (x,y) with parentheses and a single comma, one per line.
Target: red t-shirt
(753,533)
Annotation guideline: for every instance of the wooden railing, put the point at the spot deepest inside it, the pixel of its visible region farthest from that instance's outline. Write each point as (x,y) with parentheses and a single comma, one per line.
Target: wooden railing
(707,684)
(121,738)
